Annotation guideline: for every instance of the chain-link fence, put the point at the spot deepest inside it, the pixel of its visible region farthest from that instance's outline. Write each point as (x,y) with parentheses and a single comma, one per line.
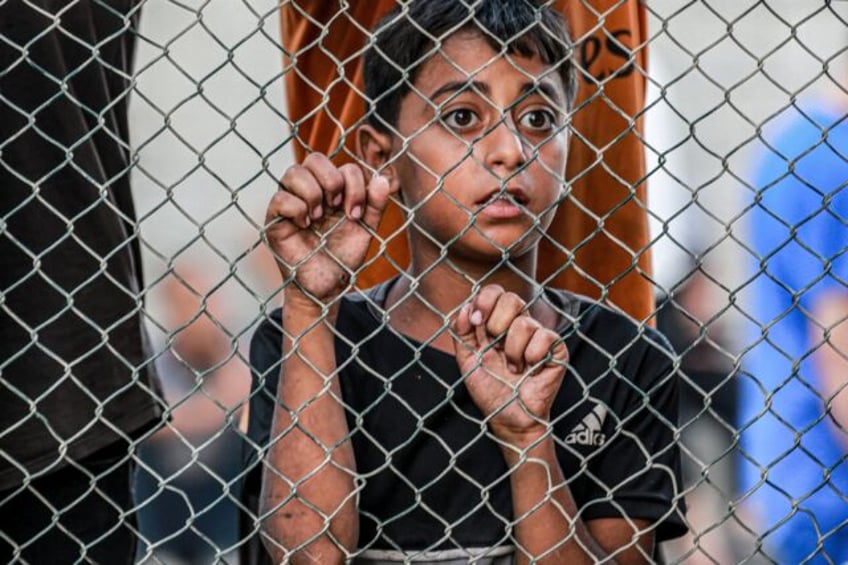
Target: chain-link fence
(694,185)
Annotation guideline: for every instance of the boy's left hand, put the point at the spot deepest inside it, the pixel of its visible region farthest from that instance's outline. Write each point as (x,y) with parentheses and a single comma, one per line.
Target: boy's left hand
(513,366)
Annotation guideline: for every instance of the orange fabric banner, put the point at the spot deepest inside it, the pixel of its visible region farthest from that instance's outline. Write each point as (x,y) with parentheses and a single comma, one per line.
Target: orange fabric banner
(601,231)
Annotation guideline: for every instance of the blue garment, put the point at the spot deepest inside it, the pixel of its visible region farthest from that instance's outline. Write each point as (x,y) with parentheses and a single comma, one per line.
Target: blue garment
(791,455)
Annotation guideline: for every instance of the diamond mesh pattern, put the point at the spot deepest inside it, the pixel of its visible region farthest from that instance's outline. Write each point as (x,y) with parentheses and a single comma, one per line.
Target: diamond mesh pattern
(704,196)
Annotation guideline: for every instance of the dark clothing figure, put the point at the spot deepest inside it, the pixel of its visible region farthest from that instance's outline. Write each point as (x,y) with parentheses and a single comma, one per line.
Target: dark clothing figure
(76,374)
(416,430)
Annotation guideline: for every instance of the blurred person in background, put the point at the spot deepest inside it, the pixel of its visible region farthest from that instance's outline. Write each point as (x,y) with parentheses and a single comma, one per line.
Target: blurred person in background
(794,403)
(691,316)
(185,483)
(77,384)
(691,308)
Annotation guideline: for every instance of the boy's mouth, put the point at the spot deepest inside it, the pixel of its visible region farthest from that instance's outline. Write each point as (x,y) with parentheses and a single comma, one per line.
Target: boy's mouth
(500,204)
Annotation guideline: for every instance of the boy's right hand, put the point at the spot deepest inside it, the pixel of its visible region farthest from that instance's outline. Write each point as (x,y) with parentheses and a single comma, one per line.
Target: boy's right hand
(316,224)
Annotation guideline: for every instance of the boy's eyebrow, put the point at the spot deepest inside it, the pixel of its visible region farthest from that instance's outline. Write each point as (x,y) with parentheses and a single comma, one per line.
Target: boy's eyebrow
(459,85)
(547,90)
(544,87)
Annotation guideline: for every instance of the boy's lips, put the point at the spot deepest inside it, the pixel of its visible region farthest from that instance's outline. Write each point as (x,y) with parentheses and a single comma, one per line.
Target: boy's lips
(503,204)
(501,208)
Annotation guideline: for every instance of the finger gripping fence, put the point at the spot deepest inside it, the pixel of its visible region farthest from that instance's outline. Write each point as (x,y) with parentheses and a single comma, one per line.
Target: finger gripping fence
(423,281)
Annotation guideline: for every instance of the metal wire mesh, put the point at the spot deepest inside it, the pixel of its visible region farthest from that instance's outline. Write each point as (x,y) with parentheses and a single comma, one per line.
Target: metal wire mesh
(704,196)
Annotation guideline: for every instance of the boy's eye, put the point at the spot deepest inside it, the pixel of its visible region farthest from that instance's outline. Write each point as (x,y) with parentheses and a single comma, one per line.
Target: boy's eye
(538,120)
(460,119)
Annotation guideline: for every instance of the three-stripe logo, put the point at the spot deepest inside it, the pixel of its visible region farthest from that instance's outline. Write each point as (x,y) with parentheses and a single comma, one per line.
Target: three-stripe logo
(588,431)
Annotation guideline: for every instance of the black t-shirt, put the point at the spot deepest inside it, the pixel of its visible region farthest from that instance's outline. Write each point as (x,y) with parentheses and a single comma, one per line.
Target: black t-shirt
(434,479)
(71,336)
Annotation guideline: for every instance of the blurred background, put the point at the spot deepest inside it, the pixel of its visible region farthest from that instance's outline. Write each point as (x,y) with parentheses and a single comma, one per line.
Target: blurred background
(211,140)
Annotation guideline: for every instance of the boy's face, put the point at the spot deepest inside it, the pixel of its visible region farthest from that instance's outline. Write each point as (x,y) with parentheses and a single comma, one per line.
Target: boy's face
(486,146)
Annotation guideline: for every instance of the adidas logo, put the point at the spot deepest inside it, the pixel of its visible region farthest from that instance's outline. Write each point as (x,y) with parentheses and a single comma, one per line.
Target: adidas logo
(588,432)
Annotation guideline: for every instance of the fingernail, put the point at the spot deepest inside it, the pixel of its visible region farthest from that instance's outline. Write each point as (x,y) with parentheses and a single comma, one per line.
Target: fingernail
(337,200)
(476,318)
(356,213)
(317,211)
(512,367)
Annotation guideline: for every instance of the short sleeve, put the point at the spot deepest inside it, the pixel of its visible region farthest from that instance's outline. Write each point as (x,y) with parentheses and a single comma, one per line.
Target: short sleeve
(649,485)
(636,472)
(265,363)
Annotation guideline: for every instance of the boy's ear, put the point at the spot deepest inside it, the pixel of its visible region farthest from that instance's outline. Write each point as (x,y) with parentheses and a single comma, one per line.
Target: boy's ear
(374,148)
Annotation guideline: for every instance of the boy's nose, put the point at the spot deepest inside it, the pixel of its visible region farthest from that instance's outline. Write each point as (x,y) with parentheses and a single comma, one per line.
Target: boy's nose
(504,147)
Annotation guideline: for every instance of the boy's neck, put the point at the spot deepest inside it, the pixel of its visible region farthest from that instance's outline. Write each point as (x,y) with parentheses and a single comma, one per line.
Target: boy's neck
(450,283)
(443,285)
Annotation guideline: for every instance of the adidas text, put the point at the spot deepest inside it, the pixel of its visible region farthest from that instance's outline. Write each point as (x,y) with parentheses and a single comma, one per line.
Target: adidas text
(586,437)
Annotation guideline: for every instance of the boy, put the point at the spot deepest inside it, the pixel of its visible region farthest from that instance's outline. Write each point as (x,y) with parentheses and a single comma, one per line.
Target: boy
(431,418)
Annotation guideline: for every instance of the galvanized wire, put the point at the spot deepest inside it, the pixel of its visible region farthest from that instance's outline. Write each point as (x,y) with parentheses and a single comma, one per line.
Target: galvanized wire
(211,138)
